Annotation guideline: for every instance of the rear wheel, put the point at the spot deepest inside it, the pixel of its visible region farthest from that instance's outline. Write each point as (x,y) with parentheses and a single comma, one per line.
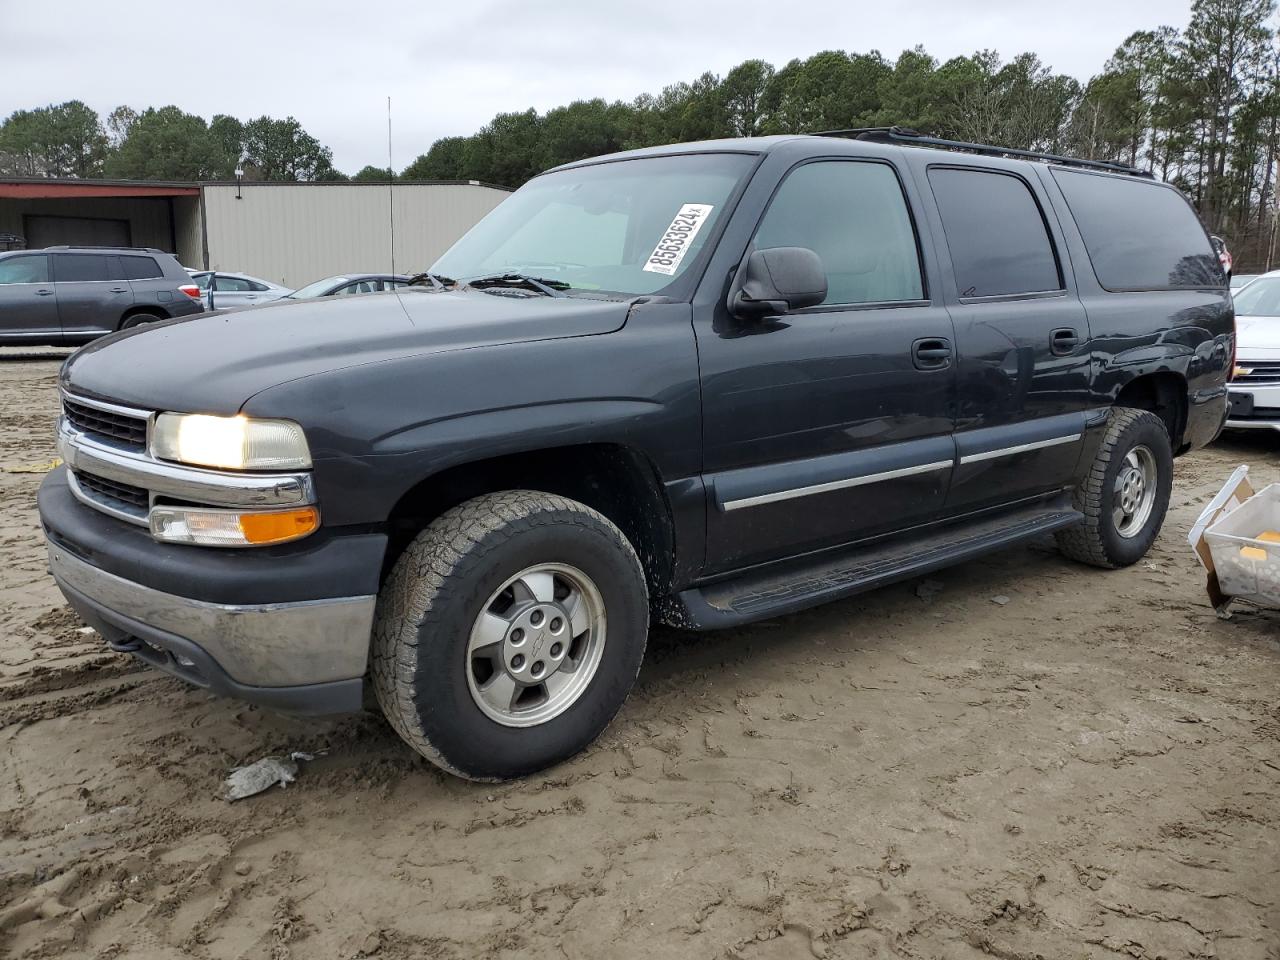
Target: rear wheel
(138,319)
(1125,494)
(509,633)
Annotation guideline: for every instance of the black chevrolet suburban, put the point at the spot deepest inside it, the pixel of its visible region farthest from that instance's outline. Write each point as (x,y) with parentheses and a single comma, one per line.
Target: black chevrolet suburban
(699,384)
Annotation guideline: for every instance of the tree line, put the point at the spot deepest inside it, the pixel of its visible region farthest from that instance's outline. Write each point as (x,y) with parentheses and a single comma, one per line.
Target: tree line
(71,140)
(1198,106)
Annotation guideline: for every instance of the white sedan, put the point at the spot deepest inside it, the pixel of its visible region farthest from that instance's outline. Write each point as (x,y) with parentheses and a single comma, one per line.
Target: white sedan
(223,291)
(1255,383)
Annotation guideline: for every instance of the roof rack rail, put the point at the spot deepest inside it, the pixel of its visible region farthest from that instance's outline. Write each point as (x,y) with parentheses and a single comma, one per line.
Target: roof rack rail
(100,246)
(906,135)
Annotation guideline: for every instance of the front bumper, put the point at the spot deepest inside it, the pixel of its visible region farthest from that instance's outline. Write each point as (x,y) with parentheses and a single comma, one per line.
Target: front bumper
(1260,412)
(286,627)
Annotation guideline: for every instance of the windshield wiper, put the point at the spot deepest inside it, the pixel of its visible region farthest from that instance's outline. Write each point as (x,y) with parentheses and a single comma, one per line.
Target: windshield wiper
(552,288)
(436,280)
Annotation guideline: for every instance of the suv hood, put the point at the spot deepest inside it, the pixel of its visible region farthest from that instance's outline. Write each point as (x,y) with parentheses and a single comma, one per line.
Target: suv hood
(1258,338)
(215,362)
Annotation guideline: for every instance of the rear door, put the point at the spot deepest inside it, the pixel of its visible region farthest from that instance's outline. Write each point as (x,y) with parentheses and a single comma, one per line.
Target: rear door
(832,423)
(93,293)
(1022,336)
(27,302)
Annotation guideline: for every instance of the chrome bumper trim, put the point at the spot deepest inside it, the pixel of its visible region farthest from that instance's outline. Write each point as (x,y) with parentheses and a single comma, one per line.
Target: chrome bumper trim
(278,644)
(212,487)
(1252,424)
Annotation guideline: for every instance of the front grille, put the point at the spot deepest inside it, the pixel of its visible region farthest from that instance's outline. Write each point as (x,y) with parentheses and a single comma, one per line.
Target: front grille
(121,429)
(121,496)
(1258,373)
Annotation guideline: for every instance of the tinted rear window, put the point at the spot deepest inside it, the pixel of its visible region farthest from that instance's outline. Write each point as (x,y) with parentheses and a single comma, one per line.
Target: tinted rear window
(1140,235)
(996,233)
(140,268)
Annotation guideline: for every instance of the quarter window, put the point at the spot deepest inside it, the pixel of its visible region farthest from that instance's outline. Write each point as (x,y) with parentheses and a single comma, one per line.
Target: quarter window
(33,268)
(140,268)
(996,233)
(854,217)
(1140,235)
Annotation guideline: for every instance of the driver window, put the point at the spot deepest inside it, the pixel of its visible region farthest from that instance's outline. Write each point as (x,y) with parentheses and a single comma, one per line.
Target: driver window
(854,217)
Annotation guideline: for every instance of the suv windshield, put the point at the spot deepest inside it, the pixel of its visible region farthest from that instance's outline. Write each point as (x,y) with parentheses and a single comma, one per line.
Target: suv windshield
(626,227)
(1259,299)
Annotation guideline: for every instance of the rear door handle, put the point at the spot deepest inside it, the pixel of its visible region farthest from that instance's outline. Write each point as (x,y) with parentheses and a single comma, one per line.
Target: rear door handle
(44,293)
(931,353)
(1063,341)
(119,289)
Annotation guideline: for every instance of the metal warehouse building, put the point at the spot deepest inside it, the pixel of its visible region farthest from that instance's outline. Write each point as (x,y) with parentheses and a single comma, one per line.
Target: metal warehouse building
(291,233)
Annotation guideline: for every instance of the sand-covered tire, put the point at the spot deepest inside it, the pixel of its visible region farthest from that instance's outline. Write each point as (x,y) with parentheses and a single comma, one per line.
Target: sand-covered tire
(509,633)
(1124,494)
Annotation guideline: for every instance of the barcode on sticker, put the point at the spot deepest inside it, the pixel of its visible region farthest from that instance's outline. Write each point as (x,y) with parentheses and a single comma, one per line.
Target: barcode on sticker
(678,238)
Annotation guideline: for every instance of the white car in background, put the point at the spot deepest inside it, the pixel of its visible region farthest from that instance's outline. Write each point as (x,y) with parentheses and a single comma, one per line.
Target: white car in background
(1254,389)
(224,291)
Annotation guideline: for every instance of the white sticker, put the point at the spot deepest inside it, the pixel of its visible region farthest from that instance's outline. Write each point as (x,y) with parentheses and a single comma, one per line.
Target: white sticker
(678,238)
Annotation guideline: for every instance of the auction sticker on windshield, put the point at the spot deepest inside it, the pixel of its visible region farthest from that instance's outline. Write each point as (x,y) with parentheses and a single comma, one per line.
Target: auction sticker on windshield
(678,238)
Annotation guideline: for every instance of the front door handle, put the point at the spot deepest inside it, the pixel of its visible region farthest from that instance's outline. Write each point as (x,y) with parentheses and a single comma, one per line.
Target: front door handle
(1063,341)
(44,293)
(931,353)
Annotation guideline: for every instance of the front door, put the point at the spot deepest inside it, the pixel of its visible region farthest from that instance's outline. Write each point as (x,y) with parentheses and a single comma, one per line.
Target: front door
(28,306)
(832,423)
(1022,337)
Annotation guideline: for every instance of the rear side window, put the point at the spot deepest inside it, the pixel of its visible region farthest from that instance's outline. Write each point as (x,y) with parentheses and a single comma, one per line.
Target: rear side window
(83,267)
(854,217)
(227,284)
(29,268)
(1140,235)
(140,268)
(996,233)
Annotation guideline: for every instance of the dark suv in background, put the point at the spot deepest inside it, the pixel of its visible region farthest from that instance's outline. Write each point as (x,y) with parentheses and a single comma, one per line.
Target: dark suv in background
(70,295)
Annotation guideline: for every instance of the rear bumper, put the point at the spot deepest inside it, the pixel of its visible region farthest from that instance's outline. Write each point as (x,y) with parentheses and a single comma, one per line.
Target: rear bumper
(288,629)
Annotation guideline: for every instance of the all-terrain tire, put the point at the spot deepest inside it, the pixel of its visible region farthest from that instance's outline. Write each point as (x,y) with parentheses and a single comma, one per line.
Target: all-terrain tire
(438,589)
(1098,541)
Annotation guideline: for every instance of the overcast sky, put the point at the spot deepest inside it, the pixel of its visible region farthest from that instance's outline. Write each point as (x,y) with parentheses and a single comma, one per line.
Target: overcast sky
(450,67)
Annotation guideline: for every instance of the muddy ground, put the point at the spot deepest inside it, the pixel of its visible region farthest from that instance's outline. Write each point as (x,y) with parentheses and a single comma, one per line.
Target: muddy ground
(1090,769)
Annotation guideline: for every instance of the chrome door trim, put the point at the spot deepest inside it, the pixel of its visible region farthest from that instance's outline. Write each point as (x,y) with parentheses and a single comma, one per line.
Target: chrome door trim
(835,485)
(1020,448)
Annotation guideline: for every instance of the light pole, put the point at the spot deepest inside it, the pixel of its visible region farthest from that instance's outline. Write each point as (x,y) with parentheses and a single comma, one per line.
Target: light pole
(239,177)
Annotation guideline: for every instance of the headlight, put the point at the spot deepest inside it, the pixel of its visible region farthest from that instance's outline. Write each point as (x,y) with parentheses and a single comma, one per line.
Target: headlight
(233,443)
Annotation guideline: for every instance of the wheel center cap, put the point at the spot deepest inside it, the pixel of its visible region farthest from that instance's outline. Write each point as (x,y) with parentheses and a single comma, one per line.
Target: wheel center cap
(537,643)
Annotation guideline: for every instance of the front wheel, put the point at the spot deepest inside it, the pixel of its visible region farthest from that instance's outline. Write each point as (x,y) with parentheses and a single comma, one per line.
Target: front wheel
(1125,494)
(509,633)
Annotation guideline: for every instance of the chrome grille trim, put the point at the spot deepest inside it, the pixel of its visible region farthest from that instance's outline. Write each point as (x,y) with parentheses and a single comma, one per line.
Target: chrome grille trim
(84,452)
(103,505)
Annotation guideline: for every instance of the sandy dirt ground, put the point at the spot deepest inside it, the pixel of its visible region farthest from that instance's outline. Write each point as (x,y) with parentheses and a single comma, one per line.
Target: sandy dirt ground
(1088,770)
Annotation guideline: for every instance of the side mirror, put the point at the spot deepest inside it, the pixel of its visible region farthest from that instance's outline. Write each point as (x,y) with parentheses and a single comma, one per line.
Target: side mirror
(778,280)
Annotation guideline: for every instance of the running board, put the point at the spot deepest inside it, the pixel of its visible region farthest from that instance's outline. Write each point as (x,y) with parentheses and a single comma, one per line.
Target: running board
(763,594)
